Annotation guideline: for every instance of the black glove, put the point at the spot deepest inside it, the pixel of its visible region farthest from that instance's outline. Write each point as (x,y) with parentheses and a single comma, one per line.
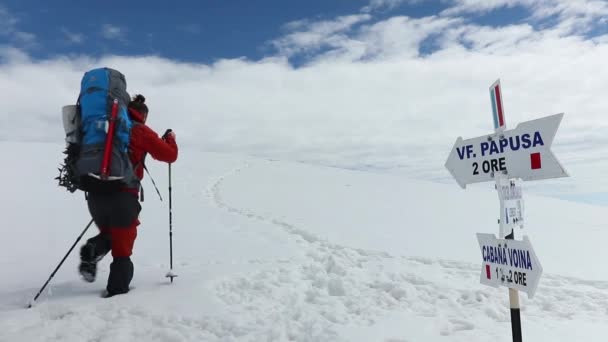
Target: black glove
(167,133)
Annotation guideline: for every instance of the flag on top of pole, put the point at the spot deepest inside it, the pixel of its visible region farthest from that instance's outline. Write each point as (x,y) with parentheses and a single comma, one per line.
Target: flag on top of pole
(497,107)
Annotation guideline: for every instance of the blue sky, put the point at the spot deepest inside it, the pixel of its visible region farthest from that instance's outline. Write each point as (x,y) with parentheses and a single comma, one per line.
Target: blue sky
(193,31)
(382,85)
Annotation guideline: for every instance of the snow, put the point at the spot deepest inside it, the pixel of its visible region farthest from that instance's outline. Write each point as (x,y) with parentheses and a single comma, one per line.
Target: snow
(267,250)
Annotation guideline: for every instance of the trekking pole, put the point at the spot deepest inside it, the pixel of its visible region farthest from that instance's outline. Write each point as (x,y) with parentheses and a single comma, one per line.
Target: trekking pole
(170,274)
(58,266)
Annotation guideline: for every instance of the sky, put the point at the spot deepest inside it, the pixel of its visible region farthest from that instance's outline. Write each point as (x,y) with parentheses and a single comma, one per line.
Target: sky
(380,85)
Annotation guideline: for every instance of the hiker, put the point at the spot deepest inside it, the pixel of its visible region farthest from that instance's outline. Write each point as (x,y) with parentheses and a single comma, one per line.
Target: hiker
(116,213)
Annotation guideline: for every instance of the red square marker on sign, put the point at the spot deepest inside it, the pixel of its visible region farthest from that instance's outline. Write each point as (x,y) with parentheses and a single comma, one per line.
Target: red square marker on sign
(488,272)
(535,161)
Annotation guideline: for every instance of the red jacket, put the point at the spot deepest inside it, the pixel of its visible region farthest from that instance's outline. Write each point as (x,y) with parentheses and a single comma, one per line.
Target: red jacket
(145,141)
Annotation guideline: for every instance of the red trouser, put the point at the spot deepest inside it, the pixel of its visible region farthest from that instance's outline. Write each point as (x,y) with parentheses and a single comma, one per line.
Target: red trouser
(122,238)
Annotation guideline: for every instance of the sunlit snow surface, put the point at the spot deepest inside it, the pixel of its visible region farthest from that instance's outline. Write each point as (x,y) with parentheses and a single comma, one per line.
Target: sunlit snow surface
(267,250)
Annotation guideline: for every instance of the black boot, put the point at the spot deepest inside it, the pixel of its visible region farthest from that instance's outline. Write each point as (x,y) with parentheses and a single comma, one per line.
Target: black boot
(121,274)
(91,253)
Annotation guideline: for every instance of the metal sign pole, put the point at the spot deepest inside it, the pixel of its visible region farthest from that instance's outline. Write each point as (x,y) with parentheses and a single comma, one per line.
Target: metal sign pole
(515,316)
(504,233)
(500,126)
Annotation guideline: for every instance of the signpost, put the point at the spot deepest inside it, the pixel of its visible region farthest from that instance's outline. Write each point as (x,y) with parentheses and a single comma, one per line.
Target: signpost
(509,263)
(508,157)
(523,152)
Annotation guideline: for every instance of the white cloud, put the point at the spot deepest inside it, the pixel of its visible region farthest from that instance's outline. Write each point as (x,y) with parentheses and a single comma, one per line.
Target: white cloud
(24,38)
(113,32)
(190,28)
(339,39)
(375,5)
(307,36)
(370,101)
(571,8)
(574,16)
(9,54)
(483,6)
(401,36)
(8,27)
(7,21)
(72,37)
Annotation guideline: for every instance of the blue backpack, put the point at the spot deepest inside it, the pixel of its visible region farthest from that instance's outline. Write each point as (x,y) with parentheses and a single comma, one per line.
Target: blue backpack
(87,124)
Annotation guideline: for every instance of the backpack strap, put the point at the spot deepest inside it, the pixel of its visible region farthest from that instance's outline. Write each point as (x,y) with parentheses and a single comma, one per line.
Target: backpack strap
(140,163)
(143,159)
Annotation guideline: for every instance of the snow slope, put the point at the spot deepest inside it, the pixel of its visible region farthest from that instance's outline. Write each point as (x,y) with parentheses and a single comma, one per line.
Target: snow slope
(273,251)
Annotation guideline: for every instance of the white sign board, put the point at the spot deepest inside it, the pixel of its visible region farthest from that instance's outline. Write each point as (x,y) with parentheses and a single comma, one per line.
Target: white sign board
(510,195)
(509,263)
(523,152)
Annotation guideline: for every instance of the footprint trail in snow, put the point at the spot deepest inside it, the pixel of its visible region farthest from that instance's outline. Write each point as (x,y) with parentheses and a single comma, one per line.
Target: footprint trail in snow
(335,286)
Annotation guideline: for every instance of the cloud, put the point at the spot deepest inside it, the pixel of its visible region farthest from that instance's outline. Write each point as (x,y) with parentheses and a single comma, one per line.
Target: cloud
(113,32)
(484,6)
(72,37)
(15,56)
(366,99)
(352,38)
(7,21)
(310,36)
(9,28)
(24,38)
(190,28)
(573,16)
(401,36)
(375,5)
(541,8)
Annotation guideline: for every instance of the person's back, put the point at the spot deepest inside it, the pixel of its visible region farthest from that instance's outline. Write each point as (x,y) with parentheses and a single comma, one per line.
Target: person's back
(116,214)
